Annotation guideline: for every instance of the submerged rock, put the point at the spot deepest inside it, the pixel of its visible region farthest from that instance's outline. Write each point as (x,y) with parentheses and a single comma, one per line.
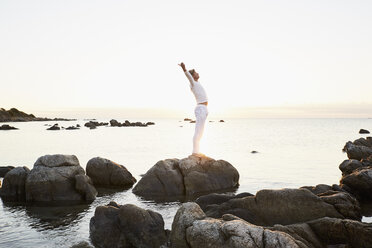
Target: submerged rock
(126,226)
(188,176)
(104,172)
(58,178)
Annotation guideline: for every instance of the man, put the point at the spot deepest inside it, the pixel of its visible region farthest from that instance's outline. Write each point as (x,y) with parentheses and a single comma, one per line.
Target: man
(201,110)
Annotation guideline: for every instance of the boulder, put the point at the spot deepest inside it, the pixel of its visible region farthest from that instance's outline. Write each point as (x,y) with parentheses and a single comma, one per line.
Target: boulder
(350,165)
(104,172)
(288,206)
(5,169)
(13,188)
(7,127)
(363,131)
(191,228)
(54,127)
(358,150)
(359,183)
(126,226)
(189,176)
(330,231)
(58,178)
(72,128)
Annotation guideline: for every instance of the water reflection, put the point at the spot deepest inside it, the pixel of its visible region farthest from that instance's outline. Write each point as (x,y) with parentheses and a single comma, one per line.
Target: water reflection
(48,217)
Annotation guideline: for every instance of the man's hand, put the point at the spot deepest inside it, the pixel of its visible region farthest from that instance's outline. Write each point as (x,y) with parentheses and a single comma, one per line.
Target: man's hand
(183,66)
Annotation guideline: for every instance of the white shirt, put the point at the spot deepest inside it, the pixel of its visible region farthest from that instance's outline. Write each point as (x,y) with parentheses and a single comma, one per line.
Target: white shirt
(197,89)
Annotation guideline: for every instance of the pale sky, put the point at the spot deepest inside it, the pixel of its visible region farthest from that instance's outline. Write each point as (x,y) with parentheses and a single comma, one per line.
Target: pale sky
(278,55)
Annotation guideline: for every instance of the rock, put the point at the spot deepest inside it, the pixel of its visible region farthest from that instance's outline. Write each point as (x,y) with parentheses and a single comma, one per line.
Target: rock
(191,229)
(82,244)
(188,176)
(350,165)
(54,127)
(5,169)
(13,188)
(187,119)
(221,121)
(254,152)
(77,125)
(192,121)
(184,218)
(327,231)
(95,124)
(72,128)
(217,199)
(359,183)
(163,179)
(357,152)
(288,206)
(104,172)
(58,178)
(115,123)
(150,123)
(126,226)
(7,127)
(363,131)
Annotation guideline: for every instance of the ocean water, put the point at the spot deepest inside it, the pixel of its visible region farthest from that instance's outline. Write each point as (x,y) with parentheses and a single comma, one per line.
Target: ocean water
(291,153)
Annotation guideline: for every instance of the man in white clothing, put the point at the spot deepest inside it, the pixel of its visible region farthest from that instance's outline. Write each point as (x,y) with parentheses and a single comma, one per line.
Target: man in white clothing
(201,110)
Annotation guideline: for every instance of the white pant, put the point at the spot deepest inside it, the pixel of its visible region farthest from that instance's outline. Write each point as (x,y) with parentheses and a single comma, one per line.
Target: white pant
(201,113)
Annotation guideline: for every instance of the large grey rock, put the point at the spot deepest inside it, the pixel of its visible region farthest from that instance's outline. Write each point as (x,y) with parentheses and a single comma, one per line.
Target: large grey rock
(184,218)
(163,179)
(58,178)
(126,226)
(13,188)
(288,206)
(230,231)
(104,172)
(359,183)
(57,160)
(188,176)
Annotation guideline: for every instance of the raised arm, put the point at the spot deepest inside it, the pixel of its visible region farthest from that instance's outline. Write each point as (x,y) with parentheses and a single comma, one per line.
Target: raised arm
(188,75)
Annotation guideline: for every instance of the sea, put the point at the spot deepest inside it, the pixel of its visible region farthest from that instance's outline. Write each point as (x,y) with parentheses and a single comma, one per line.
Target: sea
(289,153)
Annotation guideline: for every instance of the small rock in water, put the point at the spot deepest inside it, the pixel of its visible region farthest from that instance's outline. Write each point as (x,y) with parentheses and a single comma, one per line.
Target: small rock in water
(254,151)
(72,128)
(192,121)
(7,127)
(187,119)
(54,127)
(363,131)
(222,121)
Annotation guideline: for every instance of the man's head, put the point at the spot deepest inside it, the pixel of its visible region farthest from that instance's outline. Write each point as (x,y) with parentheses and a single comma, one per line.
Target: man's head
(194,74)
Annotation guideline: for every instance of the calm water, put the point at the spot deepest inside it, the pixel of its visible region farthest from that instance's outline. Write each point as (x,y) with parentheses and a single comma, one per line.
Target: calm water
(292,153)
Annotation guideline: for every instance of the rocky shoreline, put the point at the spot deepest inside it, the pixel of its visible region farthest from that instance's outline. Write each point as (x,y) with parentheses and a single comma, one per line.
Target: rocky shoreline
(310,216)
(14,115)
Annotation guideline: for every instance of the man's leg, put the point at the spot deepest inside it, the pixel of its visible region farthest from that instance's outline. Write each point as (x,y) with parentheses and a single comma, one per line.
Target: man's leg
(201,114)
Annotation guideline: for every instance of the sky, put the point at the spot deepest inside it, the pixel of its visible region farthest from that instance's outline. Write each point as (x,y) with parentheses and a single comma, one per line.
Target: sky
(255,58)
